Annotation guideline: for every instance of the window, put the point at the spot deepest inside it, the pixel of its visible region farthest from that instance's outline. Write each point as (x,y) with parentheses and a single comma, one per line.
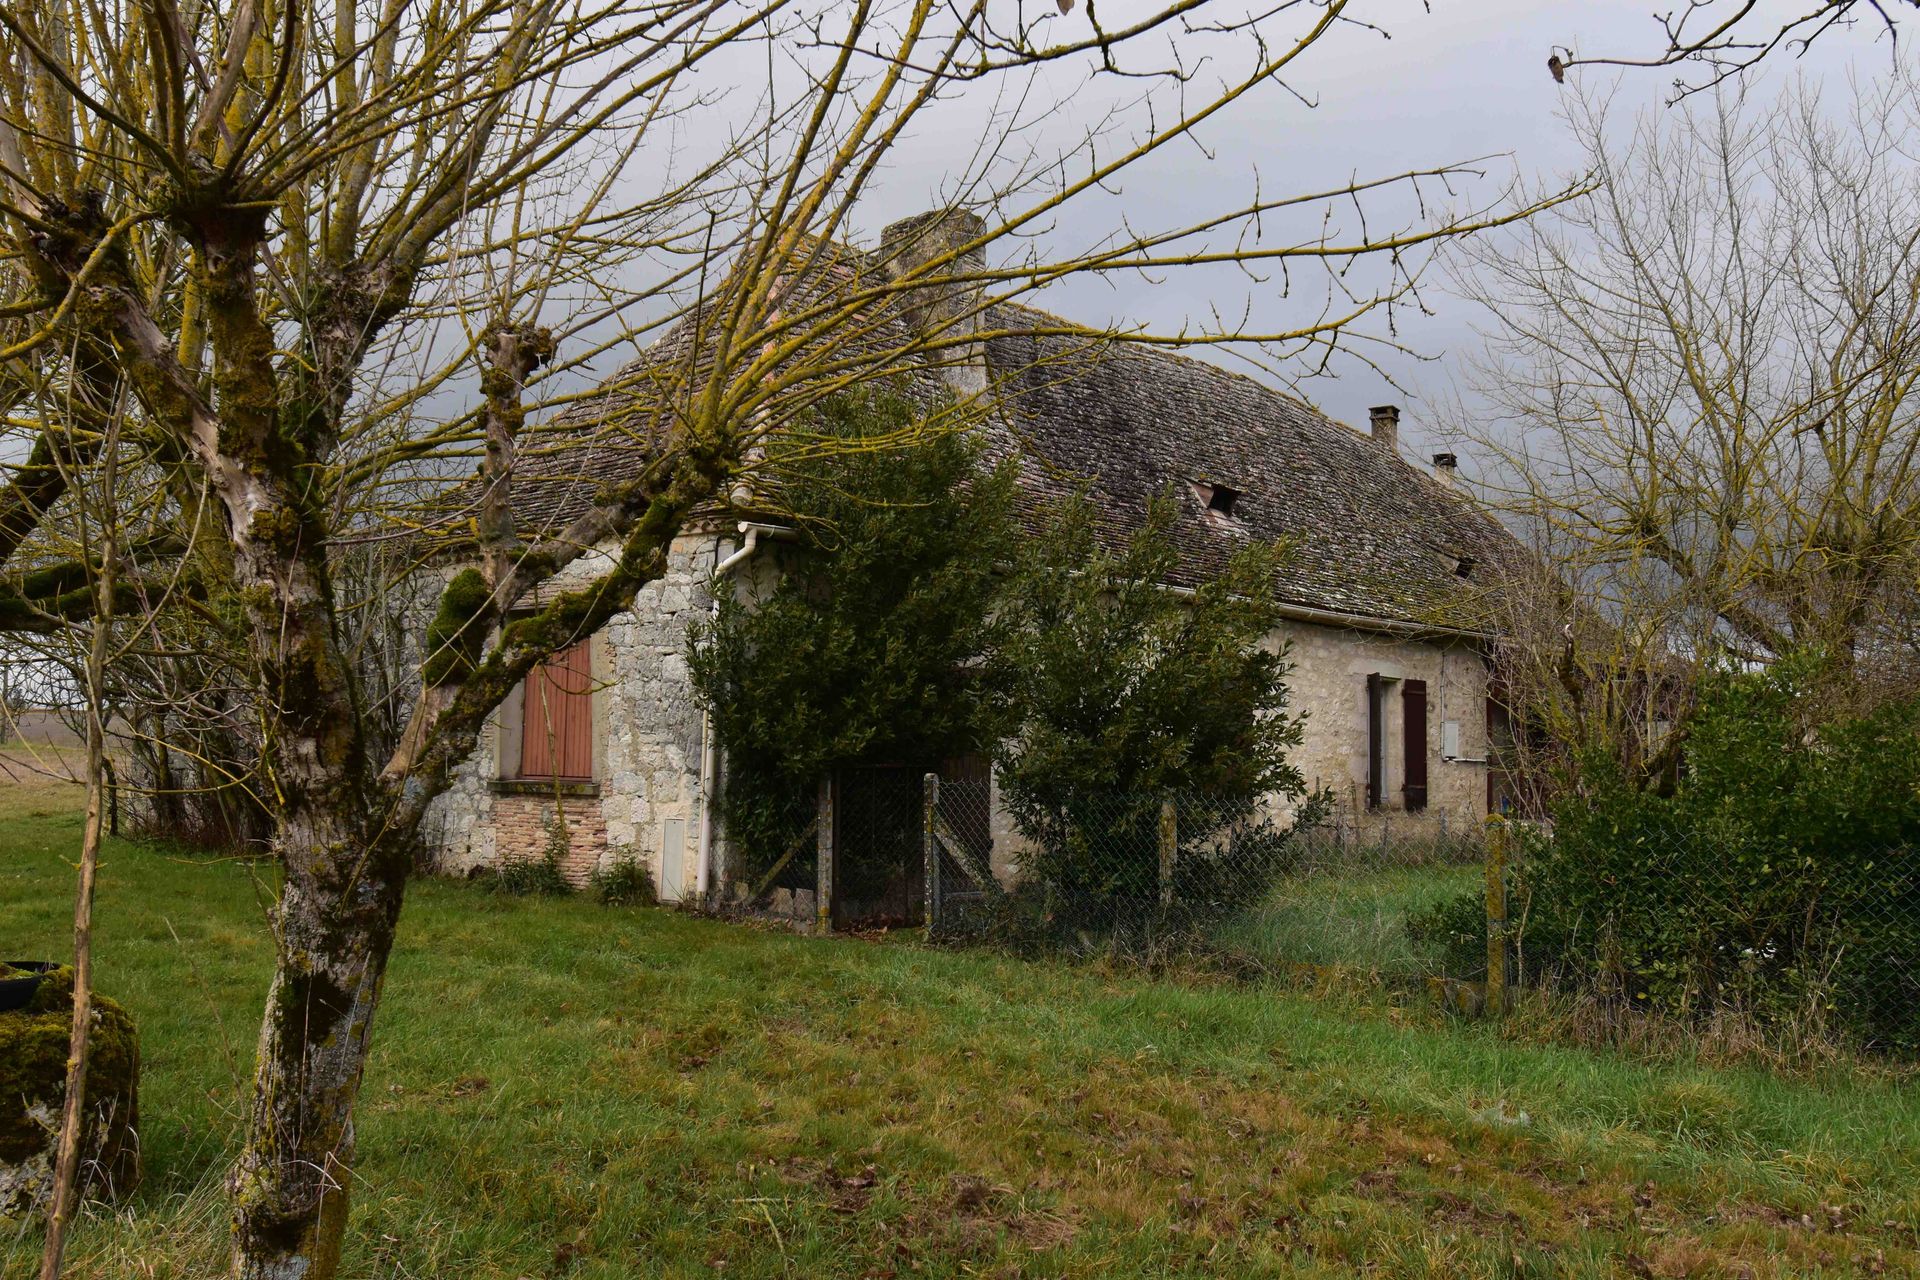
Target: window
(556,722)
(1413,742)
(1221,501)
(1376,740)
(1413,737)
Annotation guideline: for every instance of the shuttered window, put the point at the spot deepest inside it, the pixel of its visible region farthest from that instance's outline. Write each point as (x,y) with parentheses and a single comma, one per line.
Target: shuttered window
(1376,741)
(556,725)
(1413,723)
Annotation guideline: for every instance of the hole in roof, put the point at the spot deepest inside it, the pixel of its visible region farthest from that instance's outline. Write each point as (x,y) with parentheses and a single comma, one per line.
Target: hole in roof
(1463,567)
(1220,498)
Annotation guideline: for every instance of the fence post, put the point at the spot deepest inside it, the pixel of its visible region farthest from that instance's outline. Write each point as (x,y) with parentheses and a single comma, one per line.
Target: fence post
(930,854)
(1169,843)
(823,866)
(1497,838)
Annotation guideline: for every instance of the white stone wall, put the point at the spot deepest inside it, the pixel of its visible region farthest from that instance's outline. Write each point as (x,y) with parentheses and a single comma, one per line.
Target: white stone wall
(650,782)
(648,744)
(1329,684)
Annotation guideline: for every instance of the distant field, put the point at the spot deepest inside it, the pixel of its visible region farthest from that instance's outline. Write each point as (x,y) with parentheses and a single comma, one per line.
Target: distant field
(38,726)
(561,1089)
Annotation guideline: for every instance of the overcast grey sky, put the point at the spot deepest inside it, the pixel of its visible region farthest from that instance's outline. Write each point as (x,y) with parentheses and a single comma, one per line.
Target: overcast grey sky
(1467,79)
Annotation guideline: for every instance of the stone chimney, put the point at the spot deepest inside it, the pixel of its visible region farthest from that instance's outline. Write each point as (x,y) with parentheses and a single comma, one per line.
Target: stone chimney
(943,308)
(1386,426)
(1446,468)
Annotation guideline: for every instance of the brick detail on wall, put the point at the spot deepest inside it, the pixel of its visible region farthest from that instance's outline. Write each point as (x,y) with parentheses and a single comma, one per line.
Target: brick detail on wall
(520,832)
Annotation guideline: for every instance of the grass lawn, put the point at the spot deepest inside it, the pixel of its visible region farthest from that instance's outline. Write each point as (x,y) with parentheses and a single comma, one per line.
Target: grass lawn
(1353,918)
(564,1089)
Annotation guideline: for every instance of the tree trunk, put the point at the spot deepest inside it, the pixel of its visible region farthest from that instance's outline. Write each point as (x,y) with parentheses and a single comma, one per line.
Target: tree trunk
(291,1184)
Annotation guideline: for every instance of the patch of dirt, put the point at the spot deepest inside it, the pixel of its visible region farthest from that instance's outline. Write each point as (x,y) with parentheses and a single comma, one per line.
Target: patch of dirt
(1042,1231)
(845,1193)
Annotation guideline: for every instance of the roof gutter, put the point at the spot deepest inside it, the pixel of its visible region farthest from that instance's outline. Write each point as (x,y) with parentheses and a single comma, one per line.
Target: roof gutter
(1358,621)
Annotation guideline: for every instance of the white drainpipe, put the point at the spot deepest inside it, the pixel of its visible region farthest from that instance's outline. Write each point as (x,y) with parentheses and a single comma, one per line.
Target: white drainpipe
(709,744)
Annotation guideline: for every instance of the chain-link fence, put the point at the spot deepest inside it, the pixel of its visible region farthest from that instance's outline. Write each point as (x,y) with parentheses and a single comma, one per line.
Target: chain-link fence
(1796,940)
(962,892)
(1796,944)
(1139,872)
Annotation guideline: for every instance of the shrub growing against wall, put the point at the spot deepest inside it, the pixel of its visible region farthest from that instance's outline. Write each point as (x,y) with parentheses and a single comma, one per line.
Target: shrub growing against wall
(918,620)
(1126,695)
(877,643)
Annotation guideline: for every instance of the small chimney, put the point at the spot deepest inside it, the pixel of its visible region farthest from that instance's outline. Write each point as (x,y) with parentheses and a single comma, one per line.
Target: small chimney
(1446,468)
(1386,426)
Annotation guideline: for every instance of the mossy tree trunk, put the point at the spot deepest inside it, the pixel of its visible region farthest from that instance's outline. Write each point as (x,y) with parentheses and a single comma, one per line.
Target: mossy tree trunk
(344,834)
(342,890)
(290,1186)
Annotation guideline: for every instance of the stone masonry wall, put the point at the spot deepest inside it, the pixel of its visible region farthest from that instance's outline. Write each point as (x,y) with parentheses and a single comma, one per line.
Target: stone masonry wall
(1329,684)
(649,740)
(647,728)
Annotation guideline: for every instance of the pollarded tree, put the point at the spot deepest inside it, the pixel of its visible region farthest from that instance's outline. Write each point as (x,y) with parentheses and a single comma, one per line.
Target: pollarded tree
(323,257)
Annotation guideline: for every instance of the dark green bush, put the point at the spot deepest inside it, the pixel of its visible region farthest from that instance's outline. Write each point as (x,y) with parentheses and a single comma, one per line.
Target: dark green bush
(1779,879)
(879,642)
(1125,693)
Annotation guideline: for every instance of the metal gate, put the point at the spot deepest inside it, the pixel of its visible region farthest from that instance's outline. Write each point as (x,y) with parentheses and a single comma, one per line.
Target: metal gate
(912,847)
(877,876)
(957,849)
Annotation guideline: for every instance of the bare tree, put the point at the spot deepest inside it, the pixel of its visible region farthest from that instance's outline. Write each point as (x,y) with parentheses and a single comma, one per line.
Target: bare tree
(1724,38)
(1705,411)
(337,257)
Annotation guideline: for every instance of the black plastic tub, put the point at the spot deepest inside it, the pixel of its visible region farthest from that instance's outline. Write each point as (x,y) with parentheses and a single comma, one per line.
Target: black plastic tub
(17,988)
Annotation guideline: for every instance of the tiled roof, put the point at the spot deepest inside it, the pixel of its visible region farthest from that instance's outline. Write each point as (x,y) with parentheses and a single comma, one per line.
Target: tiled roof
(1376,537)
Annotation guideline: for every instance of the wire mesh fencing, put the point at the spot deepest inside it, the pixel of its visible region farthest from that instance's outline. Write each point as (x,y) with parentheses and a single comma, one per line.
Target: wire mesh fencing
(1139,872)
(1795,945)
(1793,941)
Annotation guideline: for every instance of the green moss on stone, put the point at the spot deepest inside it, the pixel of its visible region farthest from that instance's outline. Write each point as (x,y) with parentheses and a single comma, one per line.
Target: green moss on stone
(33,1085)
(453,641)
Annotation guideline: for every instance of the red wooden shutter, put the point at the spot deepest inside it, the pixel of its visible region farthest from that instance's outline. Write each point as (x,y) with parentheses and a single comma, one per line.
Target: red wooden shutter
(557,725)
(1413,717)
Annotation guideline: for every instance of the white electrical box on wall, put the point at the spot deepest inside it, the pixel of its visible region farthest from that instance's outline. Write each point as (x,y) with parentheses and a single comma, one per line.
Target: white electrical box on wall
(1450,739)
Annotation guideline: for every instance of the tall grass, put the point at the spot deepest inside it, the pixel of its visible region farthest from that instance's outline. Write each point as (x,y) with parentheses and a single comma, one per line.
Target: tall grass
(1354,919)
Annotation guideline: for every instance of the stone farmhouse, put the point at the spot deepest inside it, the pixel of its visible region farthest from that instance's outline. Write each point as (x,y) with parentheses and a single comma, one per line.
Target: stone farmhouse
(1380,600)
